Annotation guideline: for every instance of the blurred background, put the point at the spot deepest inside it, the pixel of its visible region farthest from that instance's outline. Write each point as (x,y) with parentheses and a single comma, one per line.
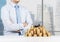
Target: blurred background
(50,17)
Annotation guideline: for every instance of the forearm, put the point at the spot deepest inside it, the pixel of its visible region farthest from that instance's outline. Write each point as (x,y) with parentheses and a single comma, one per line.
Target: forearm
(12,27)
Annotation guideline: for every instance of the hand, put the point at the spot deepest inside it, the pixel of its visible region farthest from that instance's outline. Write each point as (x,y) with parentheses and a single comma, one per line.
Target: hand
(25,24)
(18,31)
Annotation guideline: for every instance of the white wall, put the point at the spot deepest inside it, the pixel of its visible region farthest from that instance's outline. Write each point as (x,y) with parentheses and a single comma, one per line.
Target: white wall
(57,16)
(31,5)
(47,17)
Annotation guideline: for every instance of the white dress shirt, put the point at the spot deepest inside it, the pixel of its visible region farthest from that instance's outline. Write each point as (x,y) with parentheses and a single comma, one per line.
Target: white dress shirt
(8,16)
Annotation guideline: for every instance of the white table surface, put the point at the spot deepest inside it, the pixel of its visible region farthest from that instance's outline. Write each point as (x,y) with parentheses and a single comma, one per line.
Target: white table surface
(29,39)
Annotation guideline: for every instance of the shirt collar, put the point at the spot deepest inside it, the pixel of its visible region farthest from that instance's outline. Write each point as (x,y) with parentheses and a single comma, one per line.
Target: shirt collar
(12,4)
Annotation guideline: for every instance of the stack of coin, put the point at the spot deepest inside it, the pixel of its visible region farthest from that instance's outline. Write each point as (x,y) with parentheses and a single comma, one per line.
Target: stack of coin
(37,32)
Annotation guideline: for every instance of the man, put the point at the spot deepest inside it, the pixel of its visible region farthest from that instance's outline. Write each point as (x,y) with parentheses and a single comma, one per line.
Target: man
(16,19)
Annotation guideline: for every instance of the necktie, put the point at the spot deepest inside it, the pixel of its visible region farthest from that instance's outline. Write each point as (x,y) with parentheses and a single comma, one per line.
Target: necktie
(17,16)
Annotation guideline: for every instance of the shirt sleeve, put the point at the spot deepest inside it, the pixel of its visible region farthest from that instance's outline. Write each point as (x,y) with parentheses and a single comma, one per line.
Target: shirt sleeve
(8,25)
(28,20)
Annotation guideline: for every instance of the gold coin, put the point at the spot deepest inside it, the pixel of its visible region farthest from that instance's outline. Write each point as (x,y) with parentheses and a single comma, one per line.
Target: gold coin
(40,35)
(38,31)
(35,30)
(41,29)
(26,34)
(44,35)
(32,32)
(35,35)
(49,34)
(29,35)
